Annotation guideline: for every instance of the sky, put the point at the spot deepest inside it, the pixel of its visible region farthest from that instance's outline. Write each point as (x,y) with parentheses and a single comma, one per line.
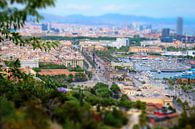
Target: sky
(151,8)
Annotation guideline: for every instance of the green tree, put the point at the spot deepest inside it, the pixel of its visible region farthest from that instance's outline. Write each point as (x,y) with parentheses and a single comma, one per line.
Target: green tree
(136,127)
(14,18)
(186,121)
(115,118)
(125,104)
(124,97)
(139,105)
(114,88)
(80,77)
(115,91)
(6,109)
(70,78)
(143,119)
(102,90)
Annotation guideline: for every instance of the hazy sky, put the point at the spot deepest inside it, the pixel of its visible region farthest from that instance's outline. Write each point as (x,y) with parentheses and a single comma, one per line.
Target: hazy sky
(154,8)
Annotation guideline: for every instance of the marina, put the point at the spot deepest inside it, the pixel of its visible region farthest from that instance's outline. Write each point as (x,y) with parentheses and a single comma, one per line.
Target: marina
(161,68)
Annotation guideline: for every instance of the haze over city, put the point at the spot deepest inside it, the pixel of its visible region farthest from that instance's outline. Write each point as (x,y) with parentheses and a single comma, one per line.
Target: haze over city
(161,12)
(151,8)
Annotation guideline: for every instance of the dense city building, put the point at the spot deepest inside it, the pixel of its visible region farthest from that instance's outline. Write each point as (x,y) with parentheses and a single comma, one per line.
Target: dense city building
(63,54)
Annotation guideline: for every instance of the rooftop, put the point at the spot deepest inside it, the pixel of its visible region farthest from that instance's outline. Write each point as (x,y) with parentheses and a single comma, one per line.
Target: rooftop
(54,72)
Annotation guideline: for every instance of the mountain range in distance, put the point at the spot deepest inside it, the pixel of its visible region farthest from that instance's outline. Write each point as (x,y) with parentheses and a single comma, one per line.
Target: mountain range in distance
(112,19)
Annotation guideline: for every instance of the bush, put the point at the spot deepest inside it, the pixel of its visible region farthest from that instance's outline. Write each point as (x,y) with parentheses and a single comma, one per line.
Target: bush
(115,118)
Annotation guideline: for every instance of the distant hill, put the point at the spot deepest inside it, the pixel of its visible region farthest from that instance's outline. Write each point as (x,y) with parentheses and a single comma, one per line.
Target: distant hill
(111,19)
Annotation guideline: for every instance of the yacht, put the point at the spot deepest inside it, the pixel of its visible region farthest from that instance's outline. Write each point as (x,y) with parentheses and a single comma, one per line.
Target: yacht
(158,71)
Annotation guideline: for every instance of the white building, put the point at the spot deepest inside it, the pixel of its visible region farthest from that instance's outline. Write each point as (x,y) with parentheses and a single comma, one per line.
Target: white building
(73,60)
(180,53)
(191,53)
(29,63)
(120,42)
(122,64)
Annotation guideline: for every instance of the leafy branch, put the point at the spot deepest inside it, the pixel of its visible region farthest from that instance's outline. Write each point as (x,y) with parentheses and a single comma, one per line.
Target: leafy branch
(13,17)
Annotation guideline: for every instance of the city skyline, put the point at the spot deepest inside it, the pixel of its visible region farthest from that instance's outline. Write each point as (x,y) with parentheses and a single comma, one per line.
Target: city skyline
(154,8)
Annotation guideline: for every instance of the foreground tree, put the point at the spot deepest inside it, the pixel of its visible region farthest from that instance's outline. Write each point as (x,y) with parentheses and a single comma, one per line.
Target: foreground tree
(14,14)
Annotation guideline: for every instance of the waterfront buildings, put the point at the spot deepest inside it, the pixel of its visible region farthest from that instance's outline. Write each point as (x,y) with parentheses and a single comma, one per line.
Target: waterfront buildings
(176,44)
(128,65)
(152,49)
(191,53)
(179,53)
(160,64)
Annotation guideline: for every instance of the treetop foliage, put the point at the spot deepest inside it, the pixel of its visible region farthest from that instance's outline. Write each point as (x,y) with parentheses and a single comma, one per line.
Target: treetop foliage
(14,14)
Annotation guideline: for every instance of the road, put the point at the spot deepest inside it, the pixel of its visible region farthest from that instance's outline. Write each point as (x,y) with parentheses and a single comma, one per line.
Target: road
(98,75)
(133,117)
(178,107)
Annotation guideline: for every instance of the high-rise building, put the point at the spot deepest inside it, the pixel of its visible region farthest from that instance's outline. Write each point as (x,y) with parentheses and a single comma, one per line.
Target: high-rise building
(165,35)
(179,28)
(165,32)
(44,27)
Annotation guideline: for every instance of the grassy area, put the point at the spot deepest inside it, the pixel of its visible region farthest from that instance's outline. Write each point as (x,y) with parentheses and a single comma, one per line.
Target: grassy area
(51,66)
(63,79)
(43,65)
